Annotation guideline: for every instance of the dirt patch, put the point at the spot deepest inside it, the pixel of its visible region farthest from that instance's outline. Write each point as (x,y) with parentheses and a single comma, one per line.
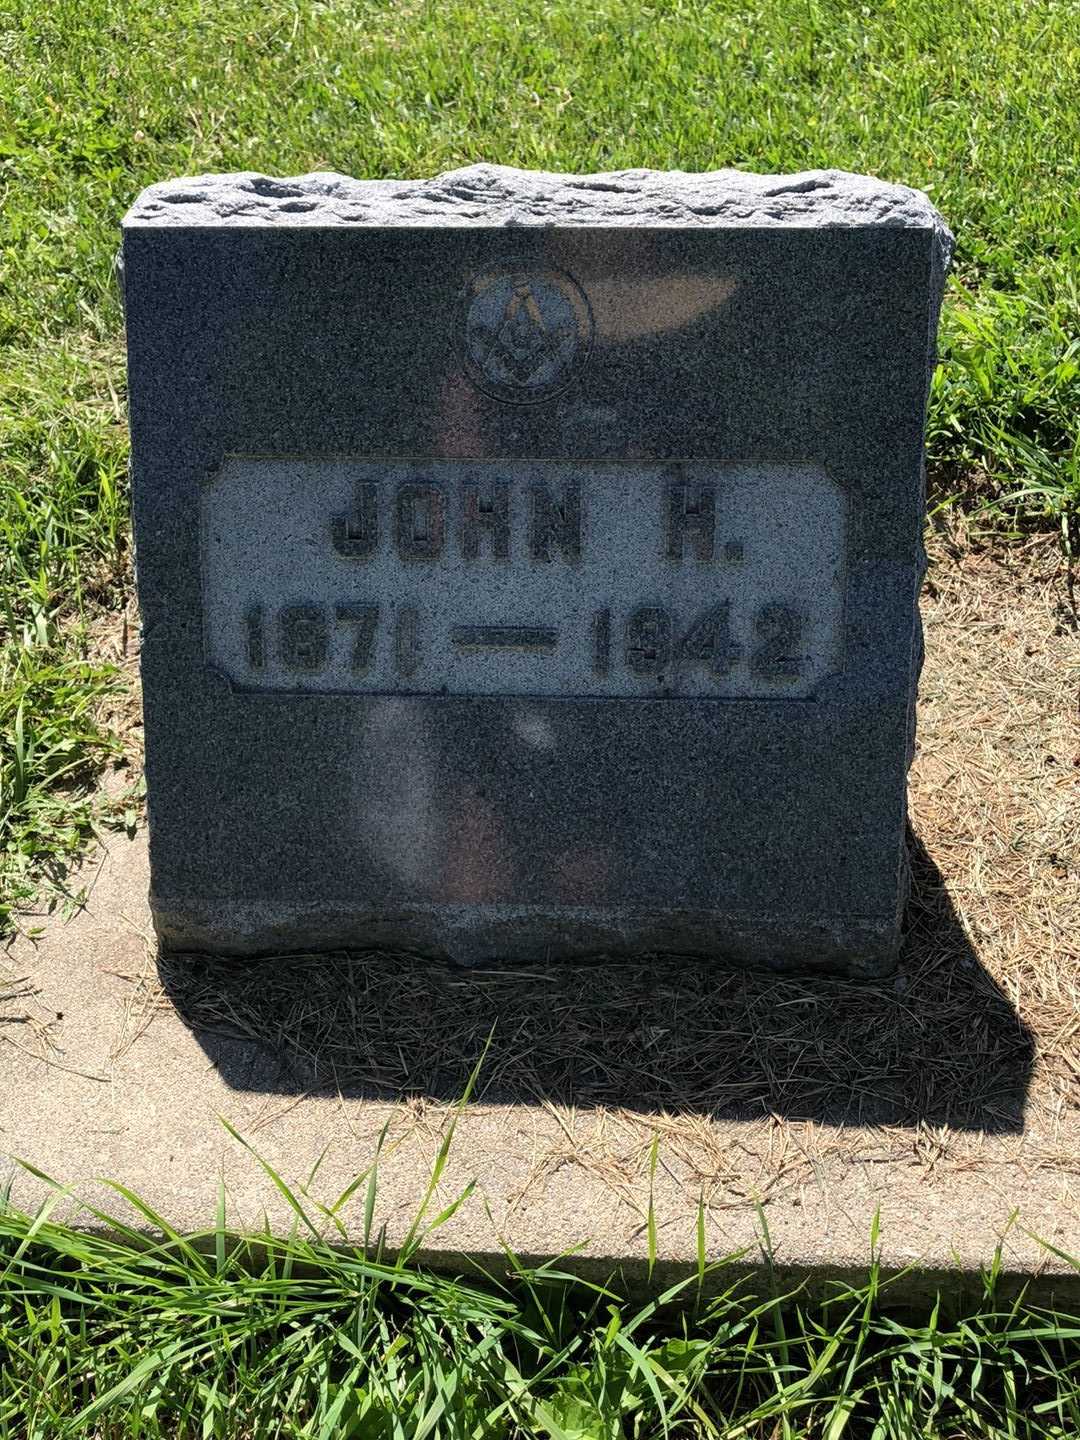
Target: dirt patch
(113,638)
(995,788)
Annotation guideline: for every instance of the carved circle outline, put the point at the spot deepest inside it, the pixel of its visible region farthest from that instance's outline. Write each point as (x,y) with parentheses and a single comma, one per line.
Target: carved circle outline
(527,272)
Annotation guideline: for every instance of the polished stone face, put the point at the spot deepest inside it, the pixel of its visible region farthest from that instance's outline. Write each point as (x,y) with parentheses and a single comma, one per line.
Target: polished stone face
(531,587)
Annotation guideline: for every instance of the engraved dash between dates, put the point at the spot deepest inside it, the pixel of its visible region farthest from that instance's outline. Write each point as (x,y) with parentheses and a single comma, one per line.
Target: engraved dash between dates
(504,637)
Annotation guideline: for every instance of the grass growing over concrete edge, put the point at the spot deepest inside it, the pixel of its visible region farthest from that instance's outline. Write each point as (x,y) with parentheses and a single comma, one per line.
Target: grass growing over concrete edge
(125,1328)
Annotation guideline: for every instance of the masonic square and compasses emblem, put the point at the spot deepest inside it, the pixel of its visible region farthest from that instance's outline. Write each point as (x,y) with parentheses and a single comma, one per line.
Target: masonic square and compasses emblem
(525,331)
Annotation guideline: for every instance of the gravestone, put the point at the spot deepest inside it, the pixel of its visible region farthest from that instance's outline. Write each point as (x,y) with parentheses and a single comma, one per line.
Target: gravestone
(529,564)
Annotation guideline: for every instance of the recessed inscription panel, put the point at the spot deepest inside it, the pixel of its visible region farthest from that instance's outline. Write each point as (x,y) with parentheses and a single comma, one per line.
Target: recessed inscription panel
(464,577)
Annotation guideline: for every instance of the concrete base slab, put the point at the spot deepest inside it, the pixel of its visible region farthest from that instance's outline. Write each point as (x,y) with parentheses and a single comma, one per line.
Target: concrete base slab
(100,1077)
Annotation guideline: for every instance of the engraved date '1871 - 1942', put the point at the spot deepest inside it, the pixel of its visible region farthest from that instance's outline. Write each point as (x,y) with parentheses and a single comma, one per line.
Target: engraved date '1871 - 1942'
(452,577)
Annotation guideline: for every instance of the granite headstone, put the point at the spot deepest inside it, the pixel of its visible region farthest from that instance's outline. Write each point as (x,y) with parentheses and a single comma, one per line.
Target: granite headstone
(529,564)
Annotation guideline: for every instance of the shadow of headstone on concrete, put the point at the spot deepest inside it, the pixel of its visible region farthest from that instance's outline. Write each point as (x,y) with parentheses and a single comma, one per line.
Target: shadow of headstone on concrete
(937,1044)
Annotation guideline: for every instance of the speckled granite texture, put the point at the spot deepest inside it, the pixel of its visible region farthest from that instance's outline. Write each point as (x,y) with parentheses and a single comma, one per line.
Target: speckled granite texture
(498,195)
(489,329)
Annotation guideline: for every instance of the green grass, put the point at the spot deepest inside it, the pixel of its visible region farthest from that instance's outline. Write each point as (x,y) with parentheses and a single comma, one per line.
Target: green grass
(971,100)
(130,1329)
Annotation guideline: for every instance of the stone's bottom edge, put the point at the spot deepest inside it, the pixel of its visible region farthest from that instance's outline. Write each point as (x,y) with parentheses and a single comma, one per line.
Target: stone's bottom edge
(857,945)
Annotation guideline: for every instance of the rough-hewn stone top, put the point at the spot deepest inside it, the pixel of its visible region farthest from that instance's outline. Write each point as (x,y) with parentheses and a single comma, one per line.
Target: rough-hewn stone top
(499,195)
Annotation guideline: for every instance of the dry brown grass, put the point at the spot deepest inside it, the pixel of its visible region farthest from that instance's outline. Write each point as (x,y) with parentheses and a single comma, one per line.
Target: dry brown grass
(978,1032)
(113,637)
(995,790)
